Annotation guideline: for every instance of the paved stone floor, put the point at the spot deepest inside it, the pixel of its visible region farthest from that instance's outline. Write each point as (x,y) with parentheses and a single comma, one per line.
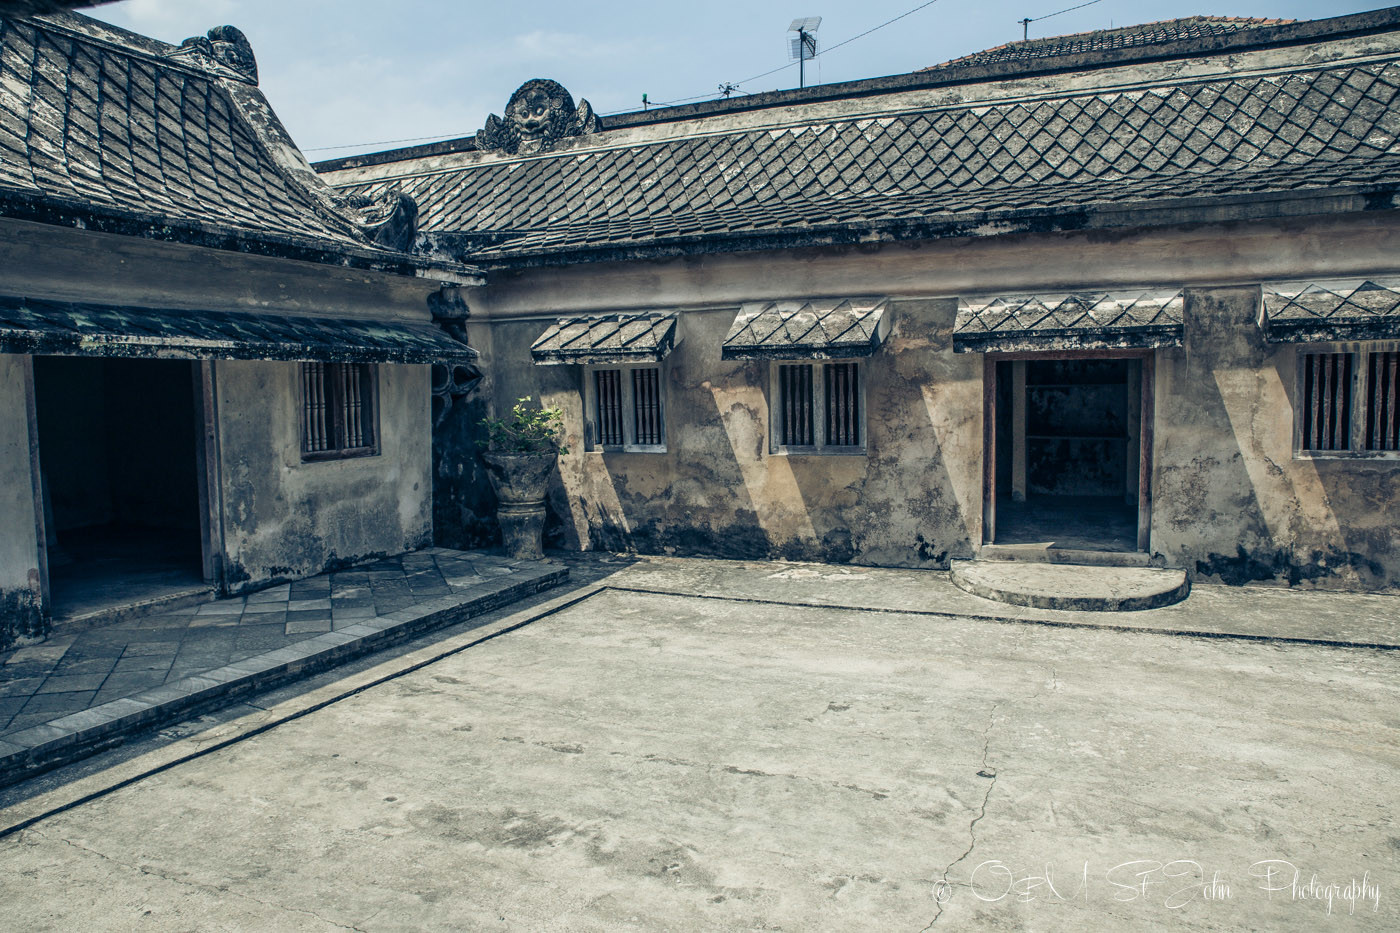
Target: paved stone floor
(89,666)
(626,758)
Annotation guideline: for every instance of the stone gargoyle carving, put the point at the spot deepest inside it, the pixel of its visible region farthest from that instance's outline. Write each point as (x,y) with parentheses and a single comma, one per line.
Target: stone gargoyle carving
(539,114)
(226,46)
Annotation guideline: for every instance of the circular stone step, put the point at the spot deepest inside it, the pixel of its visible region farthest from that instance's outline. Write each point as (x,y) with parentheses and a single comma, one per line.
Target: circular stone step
(1071,586)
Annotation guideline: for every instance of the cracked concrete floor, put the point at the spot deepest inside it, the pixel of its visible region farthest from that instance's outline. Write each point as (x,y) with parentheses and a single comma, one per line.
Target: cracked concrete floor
(656,762)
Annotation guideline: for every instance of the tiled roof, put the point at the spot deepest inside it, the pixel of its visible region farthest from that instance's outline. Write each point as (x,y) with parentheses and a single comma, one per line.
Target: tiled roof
(1128,37)
(64,328)
(607,338)
(96,119)
(1082,321)
(832,329)
(954,165)
(1335,310)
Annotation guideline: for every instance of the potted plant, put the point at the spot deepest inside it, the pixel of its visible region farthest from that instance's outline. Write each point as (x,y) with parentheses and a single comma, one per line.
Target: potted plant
(520,455)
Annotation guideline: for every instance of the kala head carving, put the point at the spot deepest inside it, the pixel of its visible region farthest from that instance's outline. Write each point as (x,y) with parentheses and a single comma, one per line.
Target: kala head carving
(539,114)
(225,46)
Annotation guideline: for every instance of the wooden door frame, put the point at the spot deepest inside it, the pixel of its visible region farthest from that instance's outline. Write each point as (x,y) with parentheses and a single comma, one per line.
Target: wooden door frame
(36,478)
(208,465)
(1148,360)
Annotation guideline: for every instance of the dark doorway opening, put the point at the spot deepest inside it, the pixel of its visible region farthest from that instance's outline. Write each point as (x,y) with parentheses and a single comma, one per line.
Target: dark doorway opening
(119,466)
(1068,443)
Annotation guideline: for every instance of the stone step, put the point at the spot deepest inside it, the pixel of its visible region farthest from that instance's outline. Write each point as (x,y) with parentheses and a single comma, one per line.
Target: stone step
(1050,554)
(1073,587)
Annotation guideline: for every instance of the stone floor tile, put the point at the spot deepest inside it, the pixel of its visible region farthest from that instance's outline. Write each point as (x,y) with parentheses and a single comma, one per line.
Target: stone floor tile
(71,684)
(151,648)
(222,607)
(28,721)
(70,666)
(26,671)
(301,605)
(308,626)
(20,687)
(263,608)
(144,662)
(276,594)
(59,703)
(128,682)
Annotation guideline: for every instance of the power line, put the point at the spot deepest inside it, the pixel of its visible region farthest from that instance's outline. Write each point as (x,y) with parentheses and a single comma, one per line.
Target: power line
(386,142)
(774,71)
(686,100)
(1066,10)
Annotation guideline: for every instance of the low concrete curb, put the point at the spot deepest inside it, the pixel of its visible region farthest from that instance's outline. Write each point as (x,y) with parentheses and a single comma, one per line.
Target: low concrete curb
(77,735)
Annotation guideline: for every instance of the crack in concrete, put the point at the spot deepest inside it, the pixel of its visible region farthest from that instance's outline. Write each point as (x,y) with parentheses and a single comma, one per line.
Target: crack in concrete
(217,892)
(943,884)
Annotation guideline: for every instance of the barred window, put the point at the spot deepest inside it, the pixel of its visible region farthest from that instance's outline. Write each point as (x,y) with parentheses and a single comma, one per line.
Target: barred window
(1327,397)
(817,408)
(626,409)
(1382,426)
(795,406)
(339,411)
(1347,403)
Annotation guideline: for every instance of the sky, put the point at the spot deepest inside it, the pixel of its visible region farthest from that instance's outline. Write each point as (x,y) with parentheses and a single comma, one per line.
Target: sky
(349,76)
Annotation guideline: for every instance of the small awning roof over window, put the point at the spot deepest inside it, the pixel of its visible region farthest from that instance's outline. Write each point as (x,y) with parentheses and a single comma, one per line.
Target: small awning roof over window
(1355,309)
(65,329)
(831,329)
(643,337)
(1081,321)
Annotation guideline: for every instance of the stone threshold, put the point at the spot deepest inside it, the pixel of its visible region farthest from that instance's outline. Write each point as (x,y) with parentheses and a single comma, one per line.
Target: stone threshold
(77,735)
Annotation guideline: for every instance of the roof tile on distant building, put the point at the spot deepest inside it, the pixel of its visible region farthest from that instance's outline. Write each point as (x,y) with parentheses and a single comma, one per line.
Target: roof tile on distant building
(1127,37)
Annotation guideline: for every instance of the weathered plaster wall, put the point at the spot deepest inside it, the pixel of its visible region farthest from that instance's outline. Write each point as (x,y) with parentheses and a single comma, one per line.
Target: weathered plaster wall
(1231,503)
(20,601)
(913,499)
(283,518)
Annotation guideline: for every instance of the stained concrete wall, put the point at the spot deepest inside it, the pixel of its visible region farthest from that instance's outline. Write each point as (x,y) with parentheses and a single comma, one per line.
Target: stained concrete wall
(20,601)
(1231,503)
(912,500)
(283,518)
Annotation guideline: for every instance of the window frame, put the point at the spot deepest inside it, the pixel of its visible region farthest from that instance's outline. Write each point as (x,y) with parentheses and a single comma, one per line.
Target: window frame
(371,381)
(1361,398)
(821,448)
(629,408)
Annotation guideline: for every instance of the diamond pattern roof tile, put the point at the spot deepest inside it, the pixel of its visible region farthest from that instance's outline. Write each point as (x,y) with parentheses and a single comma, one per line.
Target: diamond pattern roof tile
(1074,321)
(606,338)
(1241,135)
(1353,309)
(92,123)
(830,329)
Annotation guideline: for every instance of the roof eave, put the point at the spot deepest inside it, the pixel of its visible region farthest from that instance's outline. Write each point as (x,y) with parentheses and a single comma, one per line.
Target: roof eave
(46,209)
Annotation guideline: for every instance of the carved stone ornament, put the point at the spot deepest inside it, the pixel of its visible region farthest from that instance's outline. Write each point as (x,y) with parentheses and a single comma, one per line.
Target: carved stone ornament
(224,46)
(389,220)
(451,383)
(539,114)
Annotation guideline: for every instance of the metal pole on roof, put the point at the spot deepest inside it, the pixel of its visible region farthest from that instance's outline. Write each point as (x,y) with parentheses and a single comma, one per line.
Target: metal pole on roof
(1026,28)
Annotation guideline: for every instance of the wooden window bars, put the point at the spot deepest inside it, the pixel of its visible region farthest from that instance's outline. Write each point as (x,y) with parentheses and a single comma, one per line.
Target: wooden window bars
(339,411)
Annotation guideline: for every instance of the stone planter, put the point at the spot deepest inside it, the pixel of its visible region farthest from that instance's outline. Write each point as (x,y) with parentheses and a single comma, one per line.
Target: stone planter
(520,481)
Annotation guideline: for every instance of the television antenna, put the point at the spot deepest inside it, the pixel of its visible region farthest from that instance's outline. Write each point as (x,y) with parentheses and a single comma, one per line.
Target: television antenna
(803,46)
